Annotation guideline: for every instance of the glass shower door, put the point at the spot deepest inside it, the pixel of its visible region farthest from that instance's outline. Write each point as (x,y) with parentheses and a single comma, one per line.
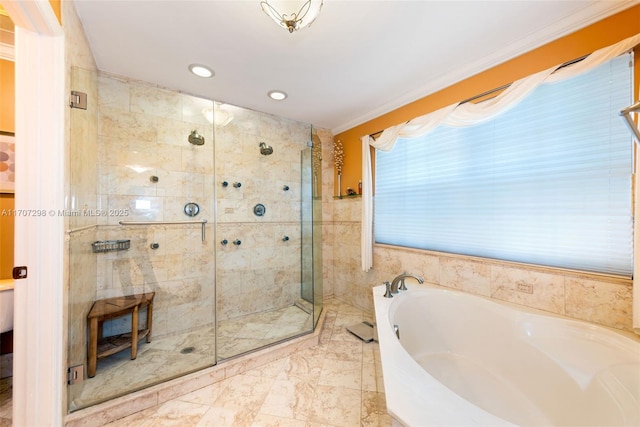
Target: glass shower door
(261,195)
(132,172)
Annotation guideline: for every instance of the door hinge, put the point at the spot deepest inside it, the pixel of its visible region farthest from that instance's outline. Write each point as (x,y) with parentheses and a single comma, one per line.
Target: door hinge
(78,100)
(20,272)
(75,374)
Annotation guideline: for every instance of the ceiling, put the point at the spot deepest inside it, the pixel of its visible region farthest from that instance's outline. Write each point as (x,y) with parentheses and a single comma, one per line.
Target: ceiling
(358,60)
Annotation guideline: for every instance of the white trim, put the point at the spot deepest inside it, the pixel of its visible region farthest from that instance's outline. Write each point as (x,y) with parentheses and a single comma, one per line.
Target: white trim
(35,16)
(38,379)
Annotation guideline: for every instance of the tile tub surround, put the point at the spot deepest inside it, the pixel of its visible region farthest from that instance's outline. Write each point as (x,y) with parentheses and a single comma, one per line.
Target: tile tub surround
(599,299)
(337,382)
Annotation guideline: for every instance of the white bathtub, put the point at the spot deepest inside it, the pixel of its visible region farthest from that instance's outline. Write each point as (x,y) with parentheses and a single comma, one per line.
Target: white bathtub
(6,305)
(465,360)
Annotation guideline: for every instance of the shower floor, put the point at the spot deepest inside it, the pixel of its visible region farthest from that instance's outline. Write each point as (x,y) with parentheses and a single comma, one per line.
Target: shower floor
(169,357)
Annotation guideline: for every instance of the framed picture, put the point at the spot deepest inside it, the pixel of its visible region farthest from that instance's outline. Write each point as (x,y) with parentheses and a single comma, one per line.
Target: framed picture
(7,163)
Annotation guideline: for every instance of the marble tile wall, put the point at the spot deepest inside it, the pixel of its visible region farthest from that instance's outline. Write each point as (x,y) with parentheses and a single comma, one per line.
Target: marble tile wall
(143,133)
(592,298)
(263,272)
(328,228)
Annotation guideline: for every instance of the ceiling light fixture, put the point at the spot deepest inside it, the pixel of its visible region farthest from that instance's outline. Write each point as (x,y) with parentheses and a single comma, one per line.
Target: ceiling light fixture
(307,13)
(201,70)
(277,95)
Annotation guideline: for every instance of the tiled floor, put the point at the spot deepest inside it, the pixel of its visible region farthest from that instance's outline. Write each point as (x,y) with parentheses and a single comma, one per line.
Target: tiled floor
(169,357)
(5,402)
(337,383)
(237,336)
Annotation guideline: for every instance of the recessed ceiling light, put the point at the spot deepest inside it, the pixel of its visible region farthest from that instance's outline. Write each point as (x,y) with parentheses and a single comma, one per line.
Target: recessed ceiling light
(201,70)
(278,95)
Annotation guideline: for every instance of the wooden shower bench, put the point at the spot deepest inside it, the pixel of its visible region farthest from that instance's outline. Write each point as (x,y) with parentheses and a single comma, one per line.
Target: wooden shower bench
(111,308)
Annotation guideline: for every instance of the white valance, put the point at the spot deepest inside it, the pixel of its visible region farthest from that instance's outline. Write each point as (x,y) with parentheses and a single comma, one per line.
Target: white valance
(466,114)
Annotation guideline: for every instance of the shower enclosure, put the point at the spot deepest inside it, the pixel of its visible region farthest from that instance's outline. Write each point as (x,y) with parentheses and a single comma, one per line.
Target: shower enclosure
(206,210)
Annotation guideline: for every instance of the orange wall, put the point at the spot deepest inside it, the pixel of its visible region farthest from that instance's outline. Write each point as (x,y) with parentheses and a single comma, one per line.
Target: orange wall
(55,5)
(6,236)
(600,34)
(7,96)
(7,82)
(7,124)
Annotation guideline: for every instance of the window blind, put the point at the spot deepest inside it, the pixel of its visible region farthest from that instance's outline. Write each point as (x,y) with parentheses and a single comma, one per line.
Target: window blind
(546,182)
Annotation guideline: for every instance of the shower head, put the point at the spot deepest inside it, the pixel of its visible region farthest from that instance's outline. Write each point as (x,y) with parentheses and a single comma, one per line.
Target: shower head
(265,149)
(195,138)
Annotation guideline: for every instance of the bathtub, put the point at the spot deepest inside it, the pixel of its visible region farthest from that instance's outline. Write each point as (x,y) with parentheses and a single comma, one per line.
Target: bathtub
(6,305)
(466,360)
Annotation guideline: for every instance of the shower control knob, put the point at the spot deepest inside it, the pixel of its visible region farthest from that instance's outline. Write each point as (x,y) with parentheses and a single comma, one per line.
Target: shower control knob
(259,209)
(237,242)
(154,178)
(285,238)
(285,188)
(224,242)
(154,246)
(225,184)
(191,209)
(237,184)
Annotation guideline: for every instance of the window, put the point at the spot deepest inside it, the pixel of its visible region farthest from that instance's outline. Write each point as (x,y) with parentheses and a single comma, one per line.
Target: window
(546,182)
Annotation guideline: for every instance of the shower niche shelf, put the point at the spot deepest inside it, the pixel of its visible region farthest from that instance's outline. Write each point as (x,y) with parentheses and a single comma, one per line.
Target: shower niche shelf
(110,245)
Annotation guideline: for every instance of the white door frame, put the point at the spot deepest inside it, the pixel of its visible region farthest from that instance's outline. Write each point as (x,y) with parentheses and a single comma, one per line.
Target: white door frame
(38,364)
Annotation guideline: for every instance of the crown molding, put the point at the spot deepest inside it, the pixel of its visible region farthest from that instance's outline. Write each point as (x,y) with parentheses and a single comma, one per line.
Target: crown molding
(592,13)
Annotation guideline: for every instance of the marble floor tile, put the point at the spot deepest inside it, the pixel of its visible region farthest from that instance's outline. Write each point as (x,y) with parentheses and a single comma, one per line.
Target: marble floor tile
(337,383)
(350,351)
(263,420)
(224,417)
(170,414)
(171,356)
(341,373)
(6,388)
(336,406)
(374,410)
(289,398)
(206,395)
(304,365)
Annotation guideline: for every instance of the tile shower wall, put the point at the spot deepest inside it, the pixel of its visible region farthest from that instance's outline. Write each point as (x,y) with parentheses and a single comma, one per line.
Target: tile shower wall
(143,133)
(601,300)
(328,228)
(263,272)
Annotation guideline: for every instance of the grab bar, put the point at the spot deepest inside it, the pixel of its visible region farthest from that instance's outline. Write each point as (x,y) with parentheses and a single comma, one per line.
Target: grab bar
(203,222)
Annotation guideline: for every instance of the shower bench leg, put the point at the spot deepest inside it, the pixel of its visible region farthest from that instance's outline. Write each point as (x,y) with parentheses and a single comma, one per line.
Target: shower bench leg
(111,308)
